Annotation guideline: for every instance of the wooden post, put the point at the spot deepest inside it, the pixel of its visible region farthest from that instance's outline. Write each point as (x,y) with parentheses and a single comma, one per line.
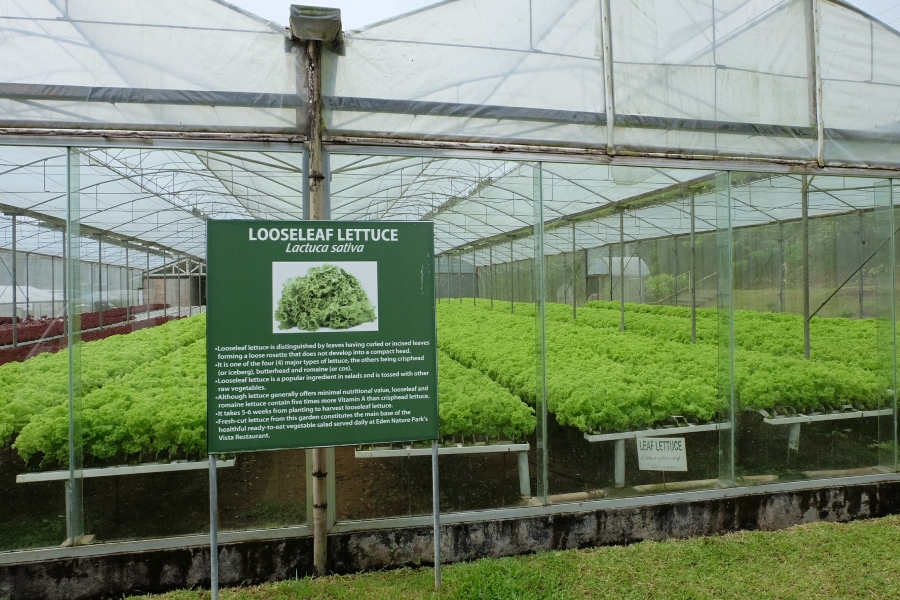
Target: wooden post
(317,213)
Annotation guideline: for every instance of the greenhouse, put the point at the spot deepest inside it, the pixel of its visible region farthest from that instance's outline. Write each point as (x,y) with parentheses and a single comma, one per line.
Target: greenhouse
(652,220)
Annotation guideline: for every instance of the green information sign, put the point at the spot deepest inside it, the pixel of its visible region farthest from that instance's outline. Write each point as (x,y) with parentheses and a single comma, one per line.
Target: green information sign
(320,333)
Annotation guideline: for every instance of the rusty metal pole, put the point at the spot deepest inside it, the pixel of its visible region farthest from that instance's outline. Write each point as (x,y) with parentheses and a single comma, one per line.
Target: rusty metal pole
(317,213)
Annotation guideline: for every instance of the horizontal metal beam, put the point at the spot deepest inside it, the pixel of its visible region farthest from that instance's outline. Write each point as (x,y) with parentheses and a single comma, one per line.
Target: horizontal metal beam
(86,231)
(662,431)
(142,469)
(442,450)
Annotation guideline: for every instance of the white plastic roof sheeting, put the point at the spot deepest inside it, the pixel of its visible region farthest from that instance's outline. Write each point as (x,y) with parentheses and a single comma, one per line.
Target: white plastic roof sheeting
(730,78)
(146,64)
(695,77)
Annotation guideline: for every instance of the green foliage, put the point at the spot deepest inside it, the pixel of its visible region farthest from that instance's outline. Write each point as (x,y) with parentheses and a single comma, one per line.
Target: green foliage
(601,379)
(31,387)
(327,296)
(472,404)
(158,409)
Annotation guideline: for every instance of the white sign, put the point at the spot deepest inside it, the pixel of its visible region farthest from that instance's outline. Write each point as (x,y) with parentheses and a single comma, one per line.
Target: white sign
(661,454)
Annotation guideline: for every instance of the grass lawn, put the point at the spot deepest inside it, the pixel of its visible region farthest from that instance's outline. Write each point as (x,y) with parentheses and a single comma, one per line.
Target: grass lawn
(823,560)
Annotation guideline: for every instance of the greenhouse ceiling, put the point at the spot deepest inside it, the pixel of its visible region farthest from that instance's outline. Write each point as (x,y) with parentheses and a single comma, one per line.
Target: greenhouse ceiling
(810,83)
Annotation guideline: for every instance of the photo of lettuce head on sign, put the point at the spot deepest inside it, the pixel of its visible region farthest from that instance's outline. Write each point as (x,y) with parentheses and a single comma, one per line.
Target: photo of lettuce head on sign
(325,296)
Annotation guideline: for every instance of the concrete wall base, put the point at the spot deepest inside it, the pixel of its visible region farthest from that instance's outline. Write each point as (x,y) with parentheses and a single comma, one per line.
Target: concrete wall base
(244,563)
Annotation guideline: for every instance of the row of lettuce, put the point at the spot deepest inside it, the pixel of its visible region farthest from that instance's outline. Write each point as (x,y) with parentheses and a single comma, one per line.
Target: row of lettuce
(599,379)
(143,396)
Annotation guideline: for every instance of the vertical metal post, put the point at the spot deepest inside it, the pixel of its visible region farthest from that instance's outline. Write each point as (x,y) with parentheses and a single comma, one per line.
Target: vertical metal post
(15,285)
(804,222)
(622,270)
(693,272)
(474,279)
(459,277)
(74,515)
(860,245)
(317,213)
(165,287)
(609,96)
(780,266)
(147,286)
(436,510)
(28,308)
(213,529)
(574,277)
(491,275)
(178,282)
(620,464)
(100,275)
(53,287)
(524,475)
(512,279)
(128,282)
(637,254)
(813,43)
(609,268)
(675,250)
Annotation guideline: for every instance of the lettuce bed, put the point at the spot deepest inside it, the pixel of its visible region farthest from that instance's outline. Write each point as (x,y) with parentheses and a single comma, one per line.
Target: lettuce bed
(600,379)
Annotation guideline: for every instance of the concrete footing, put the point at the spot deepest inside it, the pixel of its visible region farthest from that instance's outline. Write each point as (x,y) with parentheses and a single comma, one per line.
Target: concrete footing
(251,562)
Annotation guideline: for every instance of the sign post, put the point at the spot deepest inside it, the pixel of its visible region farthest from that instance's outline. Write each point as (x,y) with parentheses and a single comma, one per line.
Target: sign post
(320,334)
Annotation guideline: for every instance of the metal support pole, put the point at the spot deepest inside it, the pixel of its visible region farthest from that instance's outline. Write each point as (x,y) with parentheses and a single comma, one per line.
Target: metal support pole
(804,222)
(609,99)
(609,263)
(491,276)
(693,272)
(574,277)
(459,278)
(637,253)
(100,276)
(675,250)
(178,294)
(474,279)
(524,475)
(52,287)
(15,284)
(780,266)
(165,288)
(213,529)
(147,287)
(512,279)
(317,213)
(436,510)
(622,270)
(620,463)
(862,242)
(127,286)
(28,308)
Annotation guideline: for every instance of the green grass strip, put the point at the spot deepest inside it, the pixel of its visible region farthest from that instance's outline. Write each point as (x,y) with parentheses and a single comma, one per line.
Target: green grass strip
(822,560)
